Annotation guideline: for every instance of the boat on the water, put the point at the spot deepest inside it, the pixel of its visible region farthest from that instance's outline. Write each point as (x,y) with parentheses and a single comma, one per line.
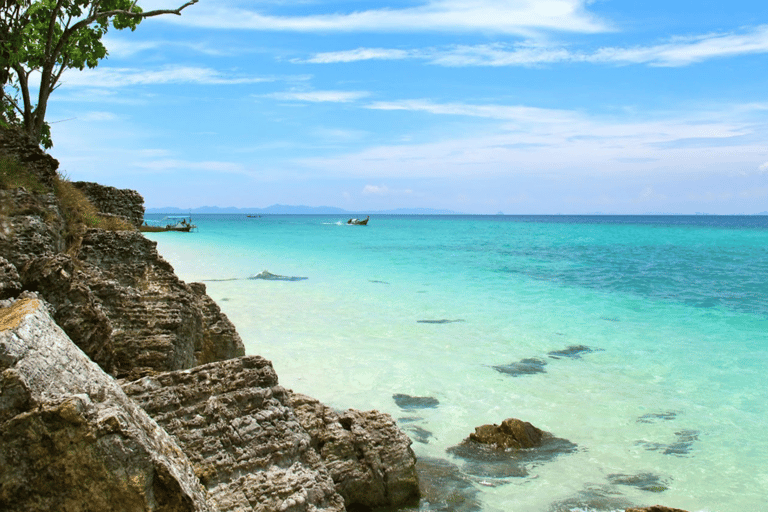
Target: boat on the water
(171,223)
(359,222)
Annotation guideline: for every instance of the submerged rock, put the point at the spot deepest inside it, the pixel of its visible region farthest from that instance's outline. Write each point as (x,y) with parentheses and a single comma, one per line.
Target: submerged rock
(681,447)
(523,367)
(409,402)
(645,481)
(573,351)
(444,488)
(69,437)
(654,417)
(441,321)
(655,508)
(269,276)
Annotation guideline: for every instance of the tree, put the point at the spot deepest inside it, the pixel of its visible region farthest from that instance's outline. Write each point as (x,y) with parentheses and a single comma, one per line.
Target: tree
(39,39)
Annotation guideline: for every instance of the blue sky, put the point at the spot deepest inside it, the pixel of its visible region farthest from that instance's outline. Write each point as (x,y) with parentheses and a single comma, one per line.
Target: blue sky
(477,106)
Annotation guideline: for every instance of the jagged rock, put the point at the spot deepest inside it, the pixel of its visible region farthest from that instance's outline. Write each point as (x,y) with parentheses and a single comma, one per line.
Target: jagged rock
(508,450)
(70,439)
(122,304)
(18,145)
(512,433)
(63,283)
(369,457)
(238,427)
(30,225)
(10,281)
(124,203)
(655,508)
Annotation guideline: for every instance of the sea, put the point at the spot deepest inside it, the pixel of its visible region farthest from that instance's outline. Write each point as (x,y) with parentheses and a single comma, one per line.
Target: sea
(639,342)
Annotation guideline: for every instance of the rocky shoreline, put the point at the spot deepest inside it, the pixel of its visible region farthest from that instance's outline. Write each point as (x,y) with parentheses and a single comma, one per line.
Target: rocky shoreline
(124,388)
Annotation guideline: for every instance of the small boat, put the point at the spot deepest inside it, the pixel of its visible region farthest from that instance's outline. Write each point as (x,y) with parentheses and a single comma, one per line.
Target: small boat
(182,224)
(359,222)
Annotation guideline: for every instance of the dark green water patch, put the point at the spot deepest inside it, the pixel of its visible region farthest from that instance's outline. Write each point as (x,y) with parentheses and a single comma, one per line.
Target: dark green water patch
(645,481)
(409,402)
(527,366)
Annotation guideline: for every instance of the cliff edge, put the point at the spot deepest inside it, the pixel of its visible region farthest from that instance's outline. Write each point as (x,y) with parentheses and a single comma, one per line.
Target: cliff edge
(196,424)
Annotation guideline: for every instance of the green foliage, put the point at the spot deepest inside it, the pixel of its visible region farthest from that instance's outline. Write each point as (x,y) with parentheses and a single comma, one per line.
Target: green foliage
(45,37)
(13,175)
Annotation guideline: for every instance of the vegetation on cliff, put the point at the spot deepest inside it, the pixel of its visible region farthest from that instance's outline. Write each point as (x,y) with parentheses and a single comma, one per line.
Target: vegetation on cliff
(40,39)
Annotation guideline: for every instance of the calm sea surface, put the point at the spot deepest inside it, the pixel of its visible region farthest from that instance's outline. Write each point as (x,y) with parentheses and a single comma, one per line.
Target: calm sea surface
(643,341)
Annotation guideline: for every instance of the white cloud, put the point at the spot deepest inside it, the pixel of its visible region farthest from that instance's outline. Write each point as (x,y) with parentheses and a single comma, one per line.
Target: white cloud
(495,16)
(358,55)
(320,96)
(123,77)
(763,168)
(675,53)
(377,190)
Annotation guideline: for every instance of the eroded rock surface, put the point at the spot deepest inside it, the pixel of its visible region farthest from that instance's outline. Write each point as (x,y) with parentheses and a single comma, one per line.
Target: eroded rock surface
(238,427)
(509,449)
(10,281)
(70,438)
(370,459)
(124,203)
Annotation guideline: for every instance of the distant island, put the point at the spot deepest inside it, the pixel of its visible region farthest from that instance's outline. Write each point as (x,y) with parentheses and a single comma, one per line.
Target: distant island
(281,209)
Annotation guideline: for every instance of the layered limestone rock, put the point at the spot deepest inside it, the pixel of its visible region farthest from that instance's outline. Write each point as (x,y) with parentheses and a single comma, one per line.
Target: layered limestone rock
(30,226)
(70,438)
(123,203)
(370,459)
(237,426)
(17,144)
(122,304)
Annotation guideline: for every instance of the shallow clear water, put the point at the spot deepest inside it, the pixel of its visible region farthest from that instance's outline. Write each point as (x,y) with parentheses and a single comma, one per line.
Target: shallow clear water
(673,310)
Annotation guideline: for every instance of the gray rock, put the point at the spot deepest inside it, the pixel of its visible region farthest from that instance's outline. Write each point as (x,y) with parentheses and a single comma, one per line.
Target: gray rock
(70,439)
(238,427)
(368,456)
(10,281)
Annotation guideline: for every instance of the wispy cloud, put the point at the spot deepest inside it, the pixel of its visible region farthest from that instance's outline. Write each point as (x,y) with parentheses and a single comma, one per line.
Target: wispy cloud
(123,77)
(319,96)
(677,52)
(488,16)
(169,164)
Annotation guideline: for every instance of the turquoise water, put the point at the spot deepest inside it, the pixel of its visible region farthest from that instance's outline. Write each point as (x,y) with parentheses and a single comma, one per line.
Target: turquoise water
(670,314)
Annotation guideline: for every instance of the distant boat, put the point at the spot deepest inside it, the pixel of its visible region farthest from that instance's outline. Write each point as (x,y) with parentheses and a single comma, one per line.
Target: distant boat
(359,222)
(172,223)
(253,216)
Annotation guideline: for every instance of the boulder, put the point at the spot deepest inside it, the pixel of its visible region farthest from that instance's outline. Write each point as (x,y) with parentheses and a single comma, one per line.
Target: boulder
(508,450)
(237,426)
(370,459)
(512,433)
(70,439)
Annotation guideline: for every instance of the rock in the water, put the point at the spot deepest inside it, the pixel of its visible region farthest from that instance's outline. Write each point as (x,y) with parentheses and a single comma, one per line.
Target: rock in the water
(444,488)
(69,437)
(369,457)
(645,481)
(573,351)
(523,367)
(655,508)
(512,433)
(237,426)
(508,450)
(409,402)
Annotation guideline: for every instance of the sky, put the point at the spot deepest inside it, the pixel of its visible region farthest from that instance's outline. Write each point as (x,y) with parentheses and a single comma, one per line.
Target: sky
(474,106)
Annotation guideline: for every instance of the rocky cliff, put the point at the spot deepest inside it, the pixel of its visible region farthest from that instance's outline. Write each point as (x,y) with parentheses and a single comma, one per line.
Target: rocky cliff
(88,305)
